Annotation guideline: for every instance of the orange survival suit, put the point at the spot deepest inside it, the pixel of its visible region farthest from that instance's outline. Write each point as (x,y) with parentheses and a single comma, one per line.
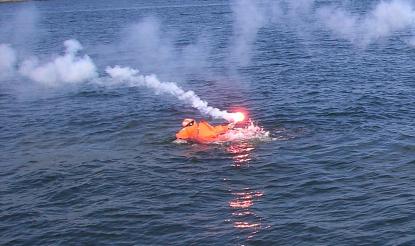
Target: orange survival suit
(201,132)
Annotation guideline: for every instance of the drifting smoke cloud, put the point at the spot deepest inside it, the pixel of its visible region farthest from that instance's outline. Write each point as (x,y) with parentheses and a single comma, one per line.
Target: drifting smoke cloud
(153,49)
(19,31)
(148,47)
(300,7)
(71,68)
(132,77)
(384,20)
(146,38)
(21,28)
(291,9)
(7,60)
(248,17)
(159,53)
(68,68)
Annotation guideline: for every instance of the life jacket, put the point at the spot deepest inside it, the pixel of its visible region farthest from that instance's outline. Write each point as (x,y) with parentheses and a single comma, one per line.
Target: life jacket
(202,132)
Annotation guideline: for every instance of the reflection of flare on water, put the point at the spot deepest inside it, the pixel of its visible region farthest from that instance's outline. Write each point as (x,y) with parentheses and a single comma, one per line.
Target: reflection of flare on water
(246,225)
(244,199)
(241,153)
(241,204)
(245,218)
(242,143)
(243,213)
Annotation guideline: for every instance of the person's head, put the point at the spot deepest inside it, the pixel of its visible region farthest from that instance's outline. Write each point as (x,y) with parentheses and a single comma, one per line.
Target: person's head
(189,130)
(188,122)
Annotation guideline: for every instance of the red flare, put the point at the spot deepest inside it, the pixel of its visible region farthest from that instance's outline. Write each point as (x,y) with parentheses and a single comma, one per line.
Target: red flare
(238,117)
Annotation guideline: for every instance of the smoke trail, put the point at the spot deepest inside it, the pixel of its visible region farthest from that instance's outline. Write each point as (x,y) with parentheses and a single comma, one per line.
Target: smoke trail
(132,77)
(385,19)
(68,68)
(7,60)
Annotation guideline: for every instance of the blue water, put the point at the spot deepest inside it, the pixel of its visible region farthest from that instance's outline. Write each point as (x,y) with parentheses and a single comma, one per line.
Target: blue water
(93,165)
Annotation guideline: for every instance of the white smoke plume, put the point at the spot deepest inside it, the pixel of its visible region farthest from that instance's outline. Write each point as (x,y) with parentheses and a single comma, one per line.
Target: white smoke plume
(132,77)
(71,68)
(410,41)
(159,52)
(154,48)
(21,28)
(68,68)
(299,7)
(7,60)
(384,20)
(248,18)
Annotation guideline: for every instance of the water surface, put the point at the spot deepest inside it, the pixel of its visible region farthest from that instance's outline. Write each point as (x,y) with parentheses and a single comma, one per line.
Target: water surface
(97,165)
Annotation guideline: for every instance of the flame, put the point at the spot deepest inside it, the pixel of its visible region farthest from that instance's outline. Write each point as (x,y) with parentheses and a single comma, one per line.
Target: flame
(238,117)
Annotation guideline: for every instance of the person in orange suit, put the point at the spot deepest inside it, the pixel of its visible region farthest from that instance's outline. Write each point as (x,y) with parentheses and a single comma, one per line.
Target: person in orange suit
(202,132)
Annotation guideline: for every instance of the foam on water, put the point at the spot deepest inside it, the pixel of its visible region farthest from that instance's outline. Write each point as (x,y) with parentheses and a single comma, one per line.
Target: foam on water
(251,132)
